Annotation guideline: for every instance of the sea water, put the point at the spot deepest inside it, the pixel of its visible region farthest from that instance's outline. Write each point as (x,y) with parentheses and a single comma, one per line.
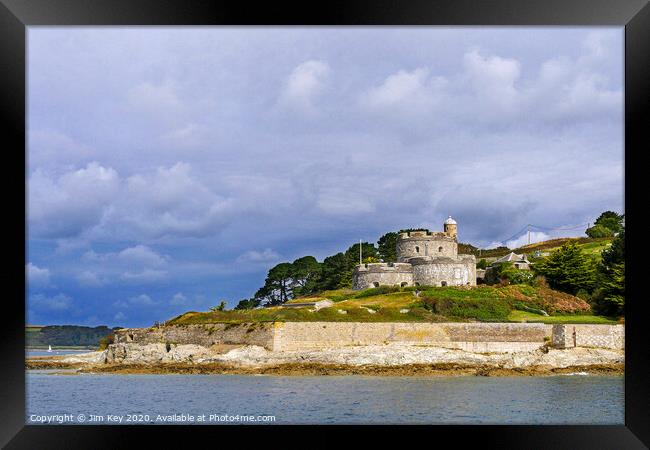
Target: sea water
(69,398)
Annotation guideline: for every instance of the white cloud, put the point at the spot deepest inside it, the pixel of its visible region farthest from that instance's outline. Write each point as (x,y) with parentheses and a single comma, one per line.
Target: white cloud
(155,99)
(119,316)
(94,203)
(142,255)
(59,302)
(37,276)
(535,236)
(138,263)
(493,79)
(178,299)
(171,201)
(304,85)
(51,147)
(187,136)
(142,299)
(414,92)
(254,256)
(89,279)
(144,276)
(66,206)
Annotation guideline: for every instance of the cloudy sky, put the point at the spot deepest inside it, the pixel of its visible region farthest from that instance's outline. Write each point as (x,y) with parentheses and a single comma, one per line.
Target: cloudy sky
(169,168)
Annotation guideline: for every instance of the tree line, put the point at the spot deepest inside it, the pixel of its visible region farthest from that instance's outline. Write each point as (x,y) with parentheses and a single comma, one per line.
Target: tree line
(306,275)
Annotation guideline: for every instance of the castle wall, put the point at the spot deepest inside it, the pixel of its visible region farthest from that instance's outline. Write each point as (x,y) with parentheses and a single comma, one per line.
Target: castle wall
(383,273)
(417,244)
(459,271)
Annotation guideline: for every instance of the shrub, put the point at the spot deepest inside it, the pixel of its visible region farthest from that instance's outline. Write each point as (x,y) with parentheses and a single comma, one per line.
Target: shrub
(417,288)
(106,341)
(517,276)
(485,309)
(540,281)
(505,273)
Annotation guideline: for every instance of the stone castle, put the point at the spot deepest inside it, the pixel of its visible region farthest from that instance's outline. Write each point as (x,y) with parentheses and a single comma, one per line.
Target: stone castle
(423,258)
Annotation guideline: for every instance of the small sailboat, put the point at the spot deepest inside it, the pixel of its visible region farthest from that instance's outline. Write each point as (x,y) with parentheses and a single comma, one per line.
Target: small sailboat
(49,349)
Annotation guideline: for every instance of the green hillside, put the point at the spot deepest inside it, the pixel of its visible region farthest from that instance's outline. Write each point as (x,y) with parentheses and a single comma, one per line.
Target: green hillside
(592,246)
(433,304)
(65,336)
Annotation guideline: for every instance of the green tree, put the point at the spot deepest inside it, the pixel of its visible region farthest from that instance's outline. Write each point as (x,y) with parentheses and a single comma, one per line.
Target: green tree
(305,273)
(248,303)
(568,269)
(220,307)
(334,273)
(387,247)
(615,254)
(609,299)
(599,231)
(277,285)
(609,220)
(352,253)
(482,264)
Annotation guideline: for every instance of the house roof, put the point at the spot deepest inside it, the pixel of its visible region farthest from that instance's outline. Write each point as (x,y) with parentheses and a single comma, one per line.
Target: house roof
(512,257)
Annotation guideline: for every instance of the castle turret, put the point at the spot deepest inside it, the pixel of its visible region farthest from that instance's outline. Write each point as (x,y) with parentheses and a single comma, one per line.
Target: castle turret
(451,227)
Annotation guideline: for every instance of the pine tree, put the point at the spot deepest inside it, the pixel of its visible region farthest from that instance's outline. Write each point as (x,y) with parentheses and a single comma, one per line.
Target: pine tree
(568,269)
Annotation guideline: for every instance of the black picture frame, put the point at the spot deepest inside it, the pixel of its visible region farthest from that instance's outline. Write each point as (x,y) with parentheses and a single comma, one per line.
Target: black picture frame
(16,15)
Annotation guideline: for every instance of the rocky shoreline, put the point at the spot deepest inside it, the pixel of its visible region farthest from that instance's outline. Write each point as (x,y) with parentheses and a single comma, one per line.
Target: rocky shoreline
(388,360)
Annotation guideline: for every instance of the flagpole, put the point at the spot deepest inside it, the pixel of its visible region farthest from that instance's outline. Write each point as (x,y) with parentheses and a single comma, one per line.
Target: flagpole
(360,256)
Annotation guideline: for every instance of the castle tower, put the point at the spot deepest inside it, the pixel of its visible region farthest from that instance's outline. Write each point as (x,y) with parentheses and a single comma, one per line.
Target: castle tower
(451,227)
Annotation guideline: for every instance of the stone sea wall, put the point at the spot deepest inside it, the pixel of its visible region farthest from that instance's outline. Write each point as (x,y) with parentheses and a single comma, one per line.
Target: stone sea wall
(596,336)
(206,335)
(297,336)
(477,337)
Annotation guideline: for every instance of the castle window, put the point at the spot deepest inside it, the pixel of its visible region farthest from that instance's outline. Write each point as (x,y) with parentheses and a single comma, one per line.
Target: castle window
(375,284)
(443,283)
(440,249)
(417,249)
(404,283)
(417,284)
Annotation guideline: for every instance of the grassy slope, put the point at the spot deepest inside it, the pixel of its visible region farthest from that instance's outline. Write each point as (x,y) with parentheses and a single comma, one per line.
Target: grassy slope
(387,306)
(525,316)
(587,245)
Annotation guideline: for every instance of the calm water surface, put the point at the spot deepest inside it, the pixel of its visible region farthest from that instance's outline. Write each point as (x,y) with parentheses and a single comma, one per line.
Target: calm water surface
(329,400)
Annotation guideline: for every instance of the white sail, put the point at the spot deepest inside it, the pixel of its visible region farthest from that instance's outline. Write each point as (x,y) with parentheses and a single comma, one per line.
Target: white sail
(49,348)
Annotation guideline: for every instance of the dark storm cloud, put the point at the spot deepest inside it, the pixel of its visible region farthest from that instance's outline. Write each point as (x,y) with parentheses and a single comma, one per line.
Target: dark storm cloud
(177,165)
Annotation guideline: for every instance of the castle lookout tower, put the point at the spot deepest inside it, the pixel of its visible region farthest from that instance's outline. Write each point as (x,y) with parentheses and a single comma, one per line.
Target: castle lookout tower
(451,227)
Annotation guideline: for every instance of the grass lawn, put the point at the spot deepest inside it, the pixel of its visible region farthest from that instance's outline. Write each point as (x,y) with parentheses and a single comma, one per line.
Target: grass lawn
(524,316)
